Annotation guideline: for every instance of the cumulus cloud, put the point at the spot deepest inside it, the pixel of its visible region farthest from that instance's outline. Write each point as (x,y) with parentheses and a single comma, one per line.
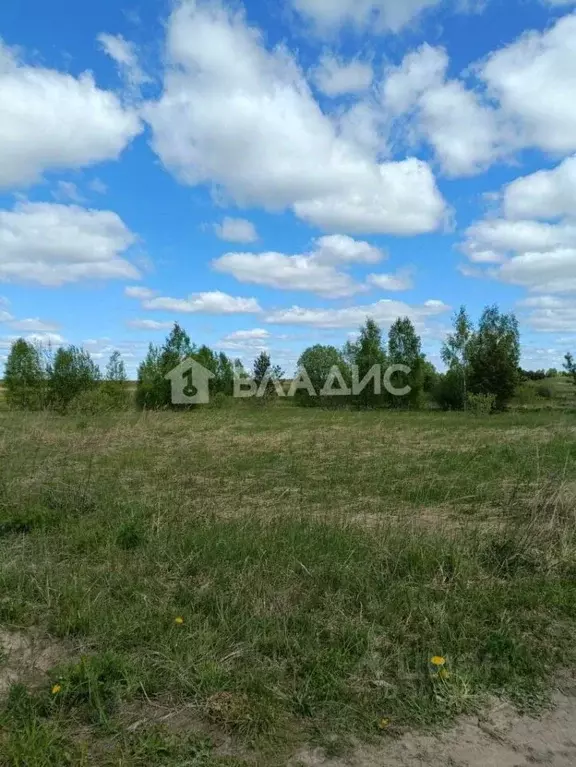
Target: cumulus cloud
(550,314)
(534,80)
(390,15)
(243,118)
(51,120)
(314,271)
(149,325)
(385,312)
(236,230)
(401,280)
(124,54)
(137,291)
(533,254)
(546,194)
(335,77)
(54,244)
(464,132)
(34,325)
(214,302)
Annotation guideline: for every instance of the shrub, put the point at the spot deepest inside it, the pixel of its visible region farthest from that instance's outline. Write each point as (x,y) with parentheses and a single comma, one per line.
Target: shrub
(481,404)
(72,373)
(24,377)
(545,391)
(449,391)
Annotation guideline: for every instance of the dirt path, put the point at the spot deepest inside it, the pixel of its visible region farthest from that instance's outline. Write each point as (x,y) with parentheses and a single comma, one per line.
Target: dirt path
(500,738)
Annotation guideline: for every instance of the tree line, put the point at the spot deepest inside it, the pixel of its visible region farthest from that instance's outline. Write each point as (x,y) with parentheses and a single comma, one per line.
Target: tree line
(482,370)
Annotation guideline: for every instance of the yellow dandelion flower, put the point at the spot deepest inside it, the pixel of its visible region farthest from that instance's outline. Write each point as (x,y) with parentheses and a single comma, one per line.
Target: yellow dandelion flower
(383,723)
(56,689)
(438,660)
(178,620)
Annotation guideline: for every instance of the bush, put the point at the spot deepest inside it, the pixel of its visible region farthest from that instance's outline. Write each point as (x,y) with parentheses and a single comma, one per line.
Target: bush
(449,391)
(97,401)
(545,391)
(481,404)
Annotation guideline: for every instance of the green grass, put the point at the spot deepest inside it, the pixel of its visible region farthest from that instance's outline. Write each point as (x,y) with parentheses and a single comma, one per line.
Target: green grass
(317,559)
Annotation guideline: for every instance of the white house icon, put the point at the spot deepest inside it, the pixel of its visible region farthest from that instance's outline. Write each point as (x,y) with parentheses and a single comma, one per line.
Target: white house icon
(190,383)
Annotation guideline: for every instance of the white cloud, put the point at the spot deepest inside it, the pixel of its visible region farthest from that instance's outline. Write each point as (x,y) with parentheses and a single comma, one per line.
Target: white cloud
(55,244)
(335,77)
(254,340)
(542,272)
(98,186)
(401,280)
(419,71)
(278,270)
(236,230)
(136,291)
(214,302)
(337,249)
(34,325)
(247,335)
(123,53)
(401,198)
(545,194)
(384,312)
(67,190)
(500,237)
(314,271)
(382,14)
(534,79)
(244,118)
(51,120)
(550,314)
(149,325)
(464,132)
(5,316)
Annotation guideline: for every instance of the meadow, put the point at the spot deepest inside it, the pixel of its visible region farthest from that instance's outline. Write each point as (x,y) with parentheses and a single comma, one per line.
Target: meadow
(222,586)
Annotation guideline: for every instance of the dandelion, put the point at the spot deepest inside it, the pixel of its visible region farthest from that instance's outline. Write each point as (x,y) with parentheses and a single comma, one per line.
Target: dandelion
(178,620)
(383,723)
(56,689)
(438,661)
(443,674)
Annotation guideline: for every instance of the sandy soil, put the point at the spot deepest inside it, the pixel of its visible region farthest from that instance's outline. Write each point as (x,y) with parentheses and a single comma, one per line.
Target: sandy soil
(499,738)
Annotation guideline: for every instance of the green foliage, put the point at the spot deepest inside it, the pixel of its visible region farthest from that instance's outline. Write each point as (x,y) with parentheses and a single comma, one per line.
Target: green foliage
(570,367)
(449,390)
(114,388)
(319,361)
(366,352)
(72,373)
(456,355)
(263,369)
(405,348)
(151,390)
(25,377)
(494,356)
(481,404)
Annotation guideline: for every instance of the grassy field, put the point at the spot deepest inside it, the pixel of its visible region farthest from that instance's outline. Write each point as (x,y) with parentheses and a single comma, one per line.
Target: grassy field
(221,586)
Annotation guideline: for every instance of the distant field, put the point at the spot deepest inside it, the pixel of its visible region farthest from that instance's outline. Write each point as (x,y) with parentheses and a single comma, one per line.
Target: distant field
(221,586)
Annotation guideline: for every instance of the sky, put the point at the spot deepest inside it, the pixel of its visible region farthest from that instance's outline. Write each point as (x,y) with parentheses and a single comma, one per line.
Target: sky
(270,174)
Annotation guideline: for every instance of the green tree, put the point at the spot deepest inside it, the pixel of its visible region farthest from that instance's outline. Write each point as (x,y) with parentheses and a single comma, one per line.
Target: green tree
(115,384)
(455,354)
(367,352)
(24,377)
(153,390)
(570,366)
(262,368)
(73,372)
(319,361)
(494,356)
(405,348)
(150,386)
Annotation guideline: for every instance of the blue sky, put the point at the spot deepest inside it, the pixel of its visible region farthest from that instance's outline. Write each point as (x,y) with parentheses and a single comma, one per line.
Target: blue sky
(268,174)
